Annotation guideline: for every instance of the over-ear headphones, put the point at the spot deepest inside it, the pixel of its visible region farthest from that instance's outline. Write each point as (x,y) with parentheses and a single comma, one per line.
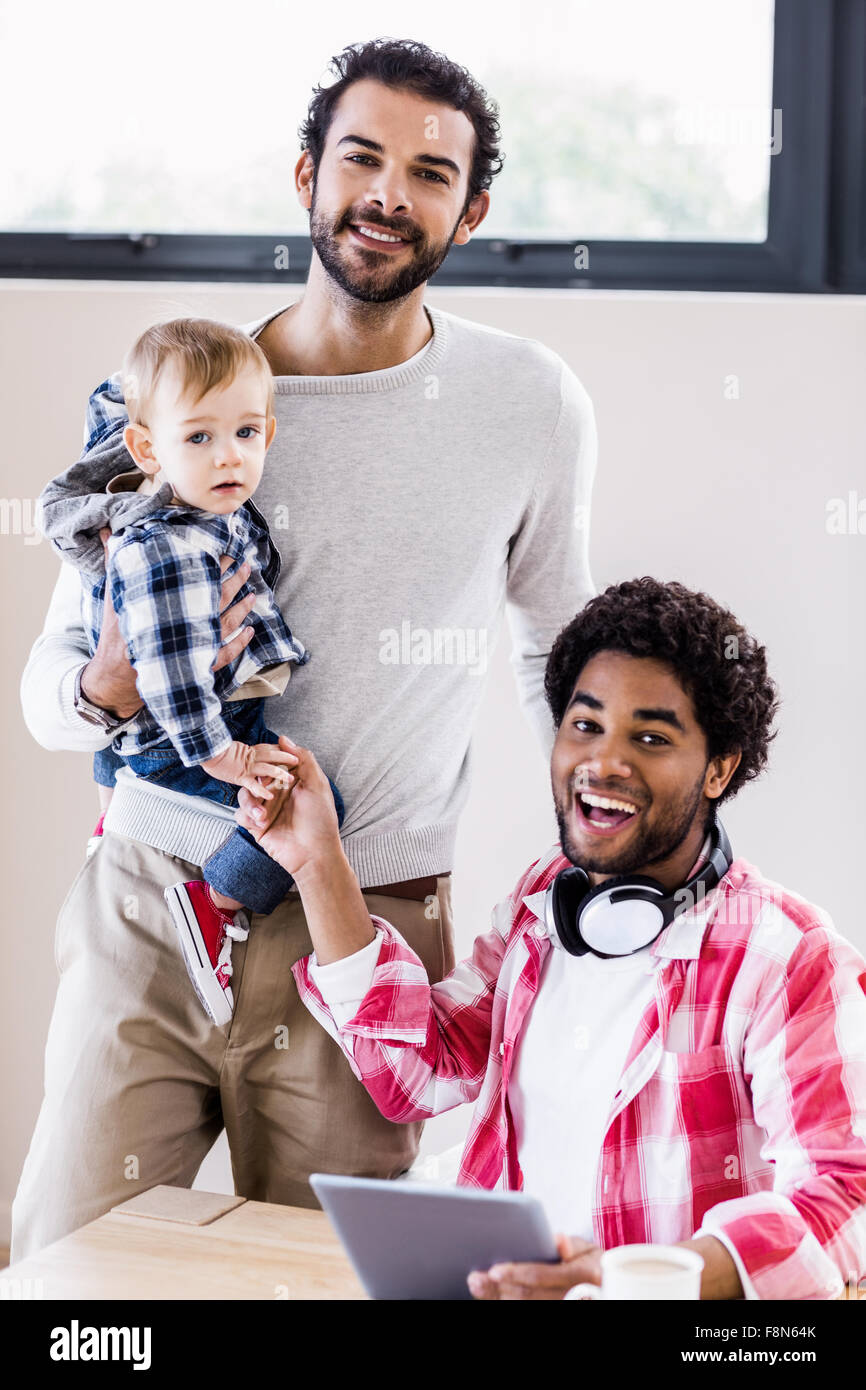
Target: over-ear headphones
(626,913)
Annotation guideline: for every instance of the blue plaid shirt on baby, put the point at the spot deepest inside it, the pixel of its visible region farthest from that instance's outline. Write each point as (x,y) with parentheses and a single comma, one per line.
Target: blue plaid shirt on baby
(165,578)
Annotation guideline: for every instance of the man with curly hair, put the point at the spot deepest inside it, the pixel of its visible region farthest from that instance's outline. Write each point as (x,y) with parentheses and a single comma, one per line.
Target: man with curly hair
(428,474)
(703,1086)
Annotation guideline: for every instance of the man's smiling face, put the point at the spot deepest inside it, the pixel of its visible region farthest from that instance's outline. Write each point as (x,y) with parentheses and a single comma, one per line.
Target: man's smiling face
(395,164)
(630,736)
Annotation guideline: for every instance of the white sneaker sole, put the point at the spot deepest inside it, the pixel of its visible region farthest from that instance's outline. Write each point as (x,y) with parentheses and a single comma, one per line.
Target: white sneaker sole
(217,1001)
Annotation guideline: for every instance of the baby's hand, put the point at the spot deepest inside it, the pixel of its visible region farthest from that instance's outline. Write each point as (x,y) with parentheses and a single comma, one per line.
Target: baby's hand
(271,808)
(257,767)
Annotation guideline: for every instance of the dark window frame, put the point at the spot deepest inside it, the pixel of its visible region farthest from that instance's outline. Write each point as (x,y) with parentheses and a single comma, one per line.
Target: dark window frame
(847,214)
(816,226)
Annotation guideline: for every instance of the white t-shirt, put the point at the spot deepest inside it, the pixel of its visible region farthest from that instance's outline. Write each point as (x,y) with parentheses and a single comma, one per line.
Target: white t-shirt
(566,1071)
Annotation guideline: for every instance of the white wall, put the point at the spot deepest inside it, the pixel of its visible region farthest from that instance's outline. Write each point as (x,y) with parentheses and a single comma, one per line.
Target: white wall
(727,495)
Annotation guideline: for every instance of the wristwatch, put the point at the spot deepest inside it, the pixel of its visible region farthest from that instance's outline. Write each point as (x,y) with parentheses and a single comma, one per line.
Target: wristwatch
(92,713)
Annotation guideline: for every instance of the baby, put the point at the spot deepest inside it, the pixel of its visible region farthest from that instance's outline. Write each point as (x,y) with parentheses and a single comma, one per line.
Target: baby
(199,397)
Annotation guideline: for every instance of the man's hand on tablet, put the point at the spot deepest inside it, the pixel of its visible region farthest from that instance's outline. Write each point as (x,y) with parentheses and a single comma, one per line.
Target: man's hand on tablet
(580,1263)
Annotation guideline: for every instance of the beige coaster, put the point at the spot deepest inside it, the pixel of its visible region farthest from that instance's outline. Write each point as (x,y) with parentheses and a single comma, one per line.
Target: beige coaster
(179,1204)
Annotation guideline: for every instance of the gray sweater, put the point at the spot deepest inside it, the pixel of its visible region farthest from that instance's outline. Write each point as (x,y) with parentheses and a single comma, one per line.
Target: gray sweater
(408,505)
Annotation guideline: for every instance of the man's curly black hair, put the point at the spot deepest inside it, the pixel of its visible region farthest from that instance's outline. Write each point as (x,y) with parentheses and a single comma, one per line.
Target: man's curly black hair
(718,663)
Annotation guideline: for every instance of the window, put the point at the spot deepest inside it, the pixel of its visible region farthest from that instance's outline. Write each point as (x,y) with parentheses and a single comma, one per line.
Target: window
(646,144)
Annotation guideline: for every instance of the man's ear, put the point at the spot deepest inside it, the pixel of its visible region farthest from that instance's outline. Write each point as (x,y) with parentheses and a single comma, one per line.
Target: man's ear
(719,773)
(305,174)
(138,442)
(472,218)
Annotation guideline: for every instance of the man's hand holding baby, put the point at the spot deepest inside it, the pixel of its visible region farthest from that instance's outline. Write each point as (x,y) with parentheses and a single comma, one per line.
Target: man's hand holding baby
(303,830)
(304,837)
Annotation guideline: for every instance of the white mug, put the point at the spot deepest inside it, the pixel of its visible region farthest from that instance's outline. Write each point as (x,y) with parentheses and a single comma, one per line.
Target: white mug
(645,1271)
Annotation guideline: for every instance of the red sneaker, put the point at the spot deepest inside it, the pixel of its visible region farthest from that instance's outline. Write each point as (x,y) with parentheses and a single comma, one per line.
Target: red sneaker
(95,838)
(206,934)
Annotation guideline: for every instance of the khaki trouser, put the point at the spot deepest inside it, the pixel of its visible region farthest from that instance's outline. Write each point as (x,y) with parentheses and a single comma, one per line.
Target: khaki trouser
(139,1083)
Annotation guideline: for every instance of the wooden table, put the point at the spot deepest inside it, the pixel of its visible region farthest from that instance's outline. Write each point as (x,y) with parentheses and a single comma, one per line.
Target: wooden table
(256,1251)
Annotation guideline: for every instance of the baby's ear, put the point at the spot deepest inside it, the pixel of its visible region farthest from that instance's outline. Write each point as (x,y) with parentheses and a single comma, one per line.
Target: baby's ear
(271,431)
(138,442)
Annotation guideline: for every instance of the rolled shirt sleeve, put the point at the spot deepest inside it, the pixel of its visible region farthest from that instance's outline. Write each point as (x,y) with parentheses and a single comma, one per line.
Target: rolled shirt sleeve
(419,1049)
(805,1052)
(345,983)
(749,1290)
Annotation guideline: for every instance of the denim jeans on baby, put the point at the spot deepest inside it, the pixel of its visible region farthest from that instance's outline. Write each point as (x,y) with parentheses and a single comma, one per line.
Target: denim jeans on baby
(239,868)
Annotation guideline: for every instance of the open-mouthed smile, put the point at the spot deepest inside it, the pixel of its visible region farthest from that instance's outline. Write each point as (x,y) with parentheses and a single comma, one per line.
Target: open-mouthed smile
(377,238)
(604,815)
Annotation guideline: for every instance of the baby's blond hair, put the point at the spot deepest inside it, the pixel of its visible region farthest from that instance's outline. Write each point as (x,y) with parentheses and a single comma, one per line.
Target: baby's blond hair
(208,354)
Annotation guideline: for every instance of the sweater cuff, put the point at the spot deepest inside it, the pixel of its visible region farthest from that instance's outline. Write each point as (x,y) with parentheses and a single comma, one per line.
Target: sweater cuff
(75,719)
(67,698)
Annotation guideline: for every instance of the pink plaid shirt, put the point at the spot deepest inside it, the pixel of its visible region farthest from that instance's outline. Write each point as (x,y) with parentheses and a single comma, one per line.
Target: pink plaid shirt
(741,1108)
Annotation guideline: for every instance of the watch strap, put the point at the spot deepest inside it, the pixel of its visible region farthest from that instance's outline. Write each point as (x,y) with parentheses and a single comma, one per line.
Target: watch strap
(92,713)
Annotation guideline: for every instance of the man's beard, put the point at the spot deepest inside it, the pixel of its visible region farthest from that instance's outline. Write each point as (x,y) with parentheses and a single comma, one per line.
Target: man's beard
(377,283)
(653,843)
